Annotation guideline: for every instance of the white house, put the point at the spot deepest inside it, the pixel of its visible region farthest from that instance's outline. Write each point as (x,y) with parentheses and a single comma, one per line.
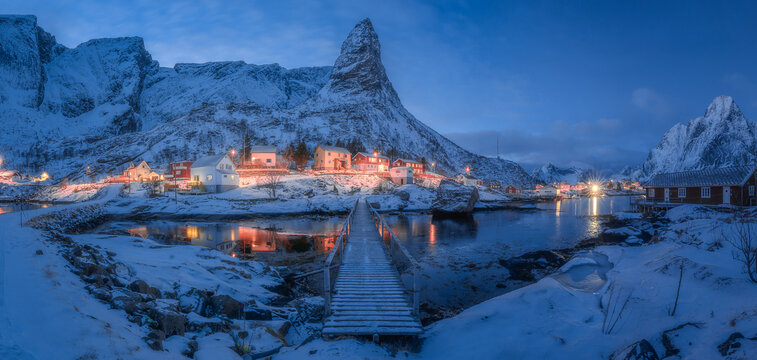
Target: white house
(265,156)
(469,181)
(217,173)
(401,175)
(548,191)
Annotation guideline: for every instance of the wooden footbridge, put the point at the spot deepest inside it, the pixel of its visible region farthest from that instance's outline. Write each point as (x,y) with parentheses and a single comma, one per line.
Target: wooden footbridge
(369,296)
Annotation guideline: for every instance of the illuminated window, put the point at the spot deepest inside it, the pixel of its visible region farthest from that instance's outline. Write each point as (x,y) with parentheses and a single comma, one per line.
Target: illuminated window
(705,192)
(209,177)
(681,192)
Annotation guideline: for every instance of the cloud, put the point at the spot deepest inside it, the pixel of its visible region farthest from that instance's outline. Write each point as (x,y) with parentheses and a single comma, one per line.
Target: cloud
(597,143)
(650,101)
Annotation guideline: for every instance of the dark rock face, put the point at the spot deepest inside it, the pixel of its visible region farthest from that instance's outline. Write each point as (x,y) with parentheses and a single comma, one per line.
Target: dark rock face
(673,340)
(641,350)
(225,305)
(530,265)
(169,321)
(453,199)
(257,314)
(141,287)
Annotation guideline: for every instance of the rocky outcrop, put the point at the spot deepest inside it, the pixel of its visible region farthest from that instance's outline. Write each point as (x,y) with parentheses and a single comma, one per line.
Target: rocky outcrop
(640,350)
(454,199)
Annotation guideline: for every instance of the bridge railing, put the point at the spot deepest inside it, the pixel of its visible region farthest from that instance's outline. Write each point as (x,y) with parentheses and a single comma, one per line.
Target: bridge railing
(401,258)
(336,256)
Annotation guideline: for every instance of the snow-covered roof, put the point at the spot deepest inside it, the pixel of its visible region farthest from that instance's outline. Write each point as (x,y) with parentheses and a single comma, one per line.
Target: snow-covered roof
(408,161)
(371,155)
(211,160)
(264,149)
(735,175)
(335,149)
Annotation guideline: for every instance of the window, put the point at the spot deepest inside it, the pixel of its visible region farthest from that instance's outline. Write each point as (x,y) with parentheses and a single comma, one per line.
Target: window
(268,160)
(232,177)
(209,177)
(681,192)
(651,193)
(329,154)
(705,192)
(751,190)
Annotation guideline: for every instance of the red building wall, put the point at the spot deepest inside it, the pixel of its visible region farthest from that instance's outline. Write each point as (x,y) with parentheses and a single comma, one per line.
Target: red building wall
(181,170)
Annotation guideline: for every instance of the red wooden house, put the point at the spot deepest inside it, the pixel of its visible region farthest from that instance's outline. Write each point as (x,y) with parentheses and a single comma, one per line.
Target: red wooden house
(731,185)
(415,165)
(179,170)
(370,162)
(510,189)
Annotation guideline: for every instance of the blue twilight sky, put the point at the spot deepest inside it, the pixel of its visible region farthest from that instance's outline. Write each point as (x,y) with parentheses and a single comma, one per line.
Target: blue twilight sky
(595,82)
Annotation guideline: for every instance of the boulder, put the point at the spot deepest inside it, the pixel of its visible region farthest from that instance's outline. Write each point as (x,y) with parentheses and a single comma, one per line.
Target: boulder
(126,300)
(198,323)
(257,314)
(640,350)
(737,346)
(453,199)
(155,339)
(193,301)
(678,338)
(403,195)
(226,306)
(170,321)
(141,287)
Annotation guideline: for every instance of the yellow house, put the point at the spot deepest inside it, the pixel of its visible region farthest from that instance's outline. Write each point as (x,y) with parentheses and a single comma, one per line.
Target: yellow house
(331,158)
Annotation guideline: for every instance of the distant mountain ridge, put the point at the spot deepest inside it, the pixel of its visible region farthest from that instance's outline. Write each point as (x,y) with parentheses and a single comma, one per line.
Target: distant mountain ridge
(722,137)
(549,174)
(106,102)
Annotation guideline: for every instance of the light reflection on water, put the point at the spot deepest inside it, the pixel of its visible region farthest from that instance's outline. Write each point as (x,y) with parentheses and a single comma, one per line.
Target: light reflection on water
(239,239)
(6,208)
(459,258)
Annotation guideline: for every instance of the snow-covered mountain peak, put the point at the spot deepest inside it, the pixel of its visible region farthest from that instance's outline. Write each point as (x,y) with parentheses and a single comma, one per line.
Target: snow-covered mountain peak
(724,108)
(358,69)
(722,137)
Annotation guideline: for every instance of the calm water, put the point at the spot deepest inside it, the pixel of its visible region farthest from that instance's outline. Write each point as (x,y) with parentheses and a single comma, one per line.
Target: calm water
(14,207)
(460,259)
(243,238)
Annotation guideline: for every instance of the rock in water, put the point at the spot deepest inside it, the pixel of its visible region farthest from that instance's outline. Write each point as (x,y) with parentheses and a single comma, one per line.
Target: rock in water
(453,199)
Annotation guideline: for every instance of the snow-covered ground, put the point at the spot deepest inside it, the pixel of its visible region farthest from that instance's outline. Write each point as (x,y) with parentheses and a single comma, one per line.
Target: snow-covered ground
(55,300)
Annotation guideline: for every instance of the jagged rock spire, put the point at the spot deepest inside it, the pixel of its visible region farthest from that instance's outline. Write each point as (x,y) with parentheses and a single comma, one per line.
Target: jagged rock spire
(358,69)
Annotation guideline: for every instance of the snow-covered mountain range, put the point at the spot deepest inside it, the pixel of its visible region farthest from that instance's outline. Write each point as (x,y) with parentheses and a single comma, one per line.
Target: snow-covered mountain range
(722,137)
(106,103)
(549,174)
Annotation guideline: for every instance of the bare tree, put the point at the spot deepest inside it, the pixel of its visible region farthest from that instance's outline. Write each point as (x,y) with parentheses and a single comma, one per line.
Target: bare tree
(270,183)
(678,291)
(744,244)
(614,308)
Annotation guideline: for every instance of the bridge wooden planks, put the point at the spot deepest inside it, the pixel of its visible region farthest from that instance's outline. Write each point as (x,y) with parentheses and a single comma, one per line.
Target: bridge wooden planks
(369,297)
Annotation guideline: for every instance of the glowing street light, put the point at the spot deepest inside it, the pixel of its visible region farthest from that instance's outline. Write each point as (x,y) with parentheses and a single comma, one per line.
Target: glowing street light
(467,169)
(375,153)
(595,188)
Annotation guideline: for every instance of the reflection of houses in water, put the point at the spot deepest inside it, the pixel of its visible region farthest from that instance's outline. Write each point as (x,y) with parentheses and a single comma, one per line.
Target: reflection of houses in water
(254,240)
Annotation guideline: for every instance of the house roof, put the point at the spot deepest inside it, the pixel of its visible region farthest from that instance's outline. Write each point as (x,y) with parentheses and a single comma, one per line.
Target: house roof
(335,149)
(264,149)
(211,160)
(371,155)
(408,161)
(735,175)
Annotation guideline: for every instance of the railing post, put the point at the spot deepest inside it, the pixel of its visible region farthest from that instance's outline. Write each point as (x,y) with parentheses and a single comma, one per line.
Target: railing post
(327,289)
(416,302)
